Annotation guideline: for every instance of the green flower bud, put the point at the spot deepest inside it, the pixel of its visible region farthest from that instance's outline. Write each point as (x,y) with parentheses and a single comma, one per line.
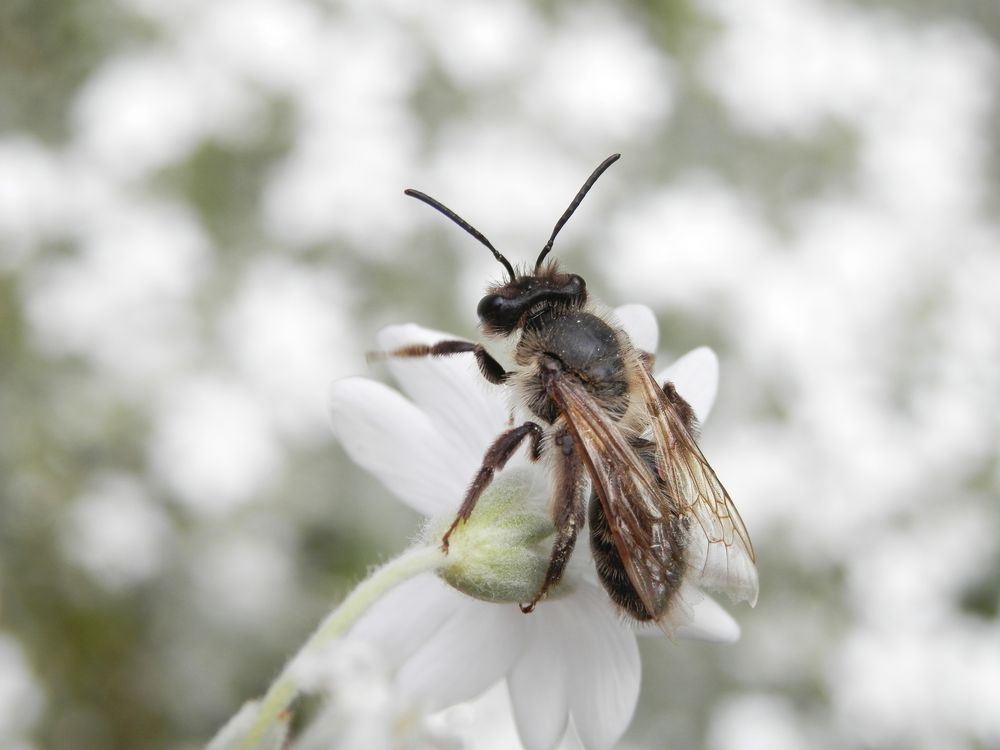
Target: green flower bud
(501,553)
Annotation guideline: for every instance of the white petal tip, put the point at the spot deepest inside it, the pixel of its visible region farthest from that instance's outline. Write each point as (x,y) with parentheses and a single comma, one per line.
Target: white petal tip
(711,623)
(343,392)
(639,322)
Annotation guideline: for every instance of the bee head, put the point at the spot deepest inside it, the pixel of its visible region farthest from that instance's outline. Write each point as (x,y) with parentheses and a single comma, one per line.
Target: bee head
(506,306)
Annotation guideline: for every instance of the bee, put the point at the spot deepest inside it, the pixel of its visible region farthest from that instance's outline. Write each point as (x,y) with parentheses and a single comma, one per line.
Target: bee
(622,447)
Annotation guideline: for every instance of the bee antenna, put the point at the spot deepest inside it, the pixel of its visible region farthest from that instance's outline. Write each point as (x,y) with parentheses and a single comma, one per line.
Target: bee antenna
(464,224)
(574,205)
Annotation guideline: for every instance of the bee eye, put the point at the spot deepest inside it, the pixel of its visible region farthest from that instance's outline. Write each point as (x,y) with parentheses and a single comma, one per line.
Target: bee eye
(575,286)
(493,308)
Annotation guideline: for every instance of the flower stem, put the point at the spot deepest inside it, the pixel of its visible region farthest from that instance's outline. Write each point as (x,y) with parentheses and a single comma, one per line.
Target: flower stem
(284,689)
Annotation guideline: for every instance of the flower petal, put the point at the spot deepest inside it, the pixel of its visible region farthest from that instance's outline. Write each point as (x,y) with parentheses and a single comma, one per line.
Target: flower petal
(424,602)
(710,623)
(696,377)
(473,649)
(399,444)
(605,669)
(486,723)
(640,324)
(539,682)
(450,389)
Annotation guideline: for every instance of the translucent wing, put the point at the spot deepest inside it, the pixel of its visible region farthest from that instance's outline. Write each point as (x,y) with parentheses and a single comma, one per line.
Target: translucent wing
(644,524)
(719,555)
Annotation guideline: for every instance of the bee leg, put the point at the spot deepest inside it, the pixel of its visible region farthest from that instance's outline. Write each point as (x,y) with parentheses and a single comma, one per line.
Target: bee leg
(568,510)
(491,369)
(495,459)
(684,410)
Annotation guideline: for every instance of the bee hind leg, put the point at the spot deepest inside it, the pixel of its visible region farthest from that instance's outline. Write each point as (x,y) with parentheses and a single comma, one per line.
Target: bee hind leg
(569,511)
(495,459)
(682,407)
(491,369)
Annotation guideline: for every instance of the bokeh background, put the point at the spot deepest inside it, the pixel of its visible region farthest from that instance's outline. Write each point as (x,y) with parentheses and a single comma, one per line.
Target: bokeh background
(202,225)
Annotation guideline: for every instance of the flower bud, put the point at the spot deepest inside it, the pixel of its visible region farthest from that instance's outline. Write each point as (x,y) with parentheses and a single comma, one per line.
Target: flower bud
(501,553)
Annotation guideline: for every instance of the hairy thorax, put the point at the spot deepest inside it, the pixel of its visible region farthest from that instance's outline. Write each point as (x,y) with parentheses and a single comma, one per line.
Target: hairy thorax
(586,348)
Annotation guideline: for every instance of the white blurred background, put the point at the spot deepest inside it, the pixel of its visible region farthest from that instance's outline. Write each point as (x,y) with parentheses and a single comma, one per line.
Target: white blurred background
(202,225)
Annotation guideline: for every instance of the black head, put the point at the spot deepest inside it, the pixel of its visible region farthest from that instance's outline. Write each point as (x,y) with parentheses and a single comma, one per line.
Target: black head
(505,306)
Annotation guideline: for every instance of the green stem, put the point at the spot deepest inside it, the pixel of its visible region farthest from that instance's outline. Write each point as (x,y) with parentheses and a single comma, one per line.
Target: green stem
(284,689)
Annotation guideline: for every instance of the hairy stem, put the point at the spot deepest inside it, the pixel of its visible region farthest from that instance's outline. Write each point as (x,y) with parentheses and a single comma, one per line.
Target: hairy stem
(284,689)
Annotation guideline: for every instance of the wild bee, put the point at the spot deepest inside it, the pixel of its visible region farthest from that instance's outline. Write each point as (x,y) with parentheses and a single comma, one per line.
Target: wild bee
(658,515)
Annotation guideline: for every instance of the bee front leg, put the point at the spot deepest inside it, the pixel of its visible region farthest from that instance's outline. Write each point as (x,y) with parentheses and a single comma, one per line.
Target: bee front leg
(568,511)
(495,459)
(491,369)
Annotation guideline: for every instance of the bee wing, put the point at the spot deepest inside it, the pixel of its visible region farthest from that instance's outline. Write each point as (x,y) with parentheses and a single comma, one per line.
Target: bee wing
(639,516)
(719,554)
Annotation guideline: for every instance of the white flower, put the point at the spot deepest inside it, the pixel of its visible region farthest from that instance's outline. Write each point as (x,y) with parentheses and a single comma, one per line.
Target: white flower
(361,709)
(574,656)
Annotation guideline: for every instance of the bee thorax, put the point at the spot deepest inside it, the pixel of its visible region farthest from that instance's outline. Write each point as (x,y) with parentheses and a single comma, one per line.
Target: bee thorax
(578,345)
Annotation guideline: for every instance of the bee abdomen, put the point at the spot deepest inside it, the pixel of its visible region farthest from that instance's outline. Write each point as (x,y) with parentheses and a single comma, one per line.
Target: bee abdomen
(609,564)
(664,561)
